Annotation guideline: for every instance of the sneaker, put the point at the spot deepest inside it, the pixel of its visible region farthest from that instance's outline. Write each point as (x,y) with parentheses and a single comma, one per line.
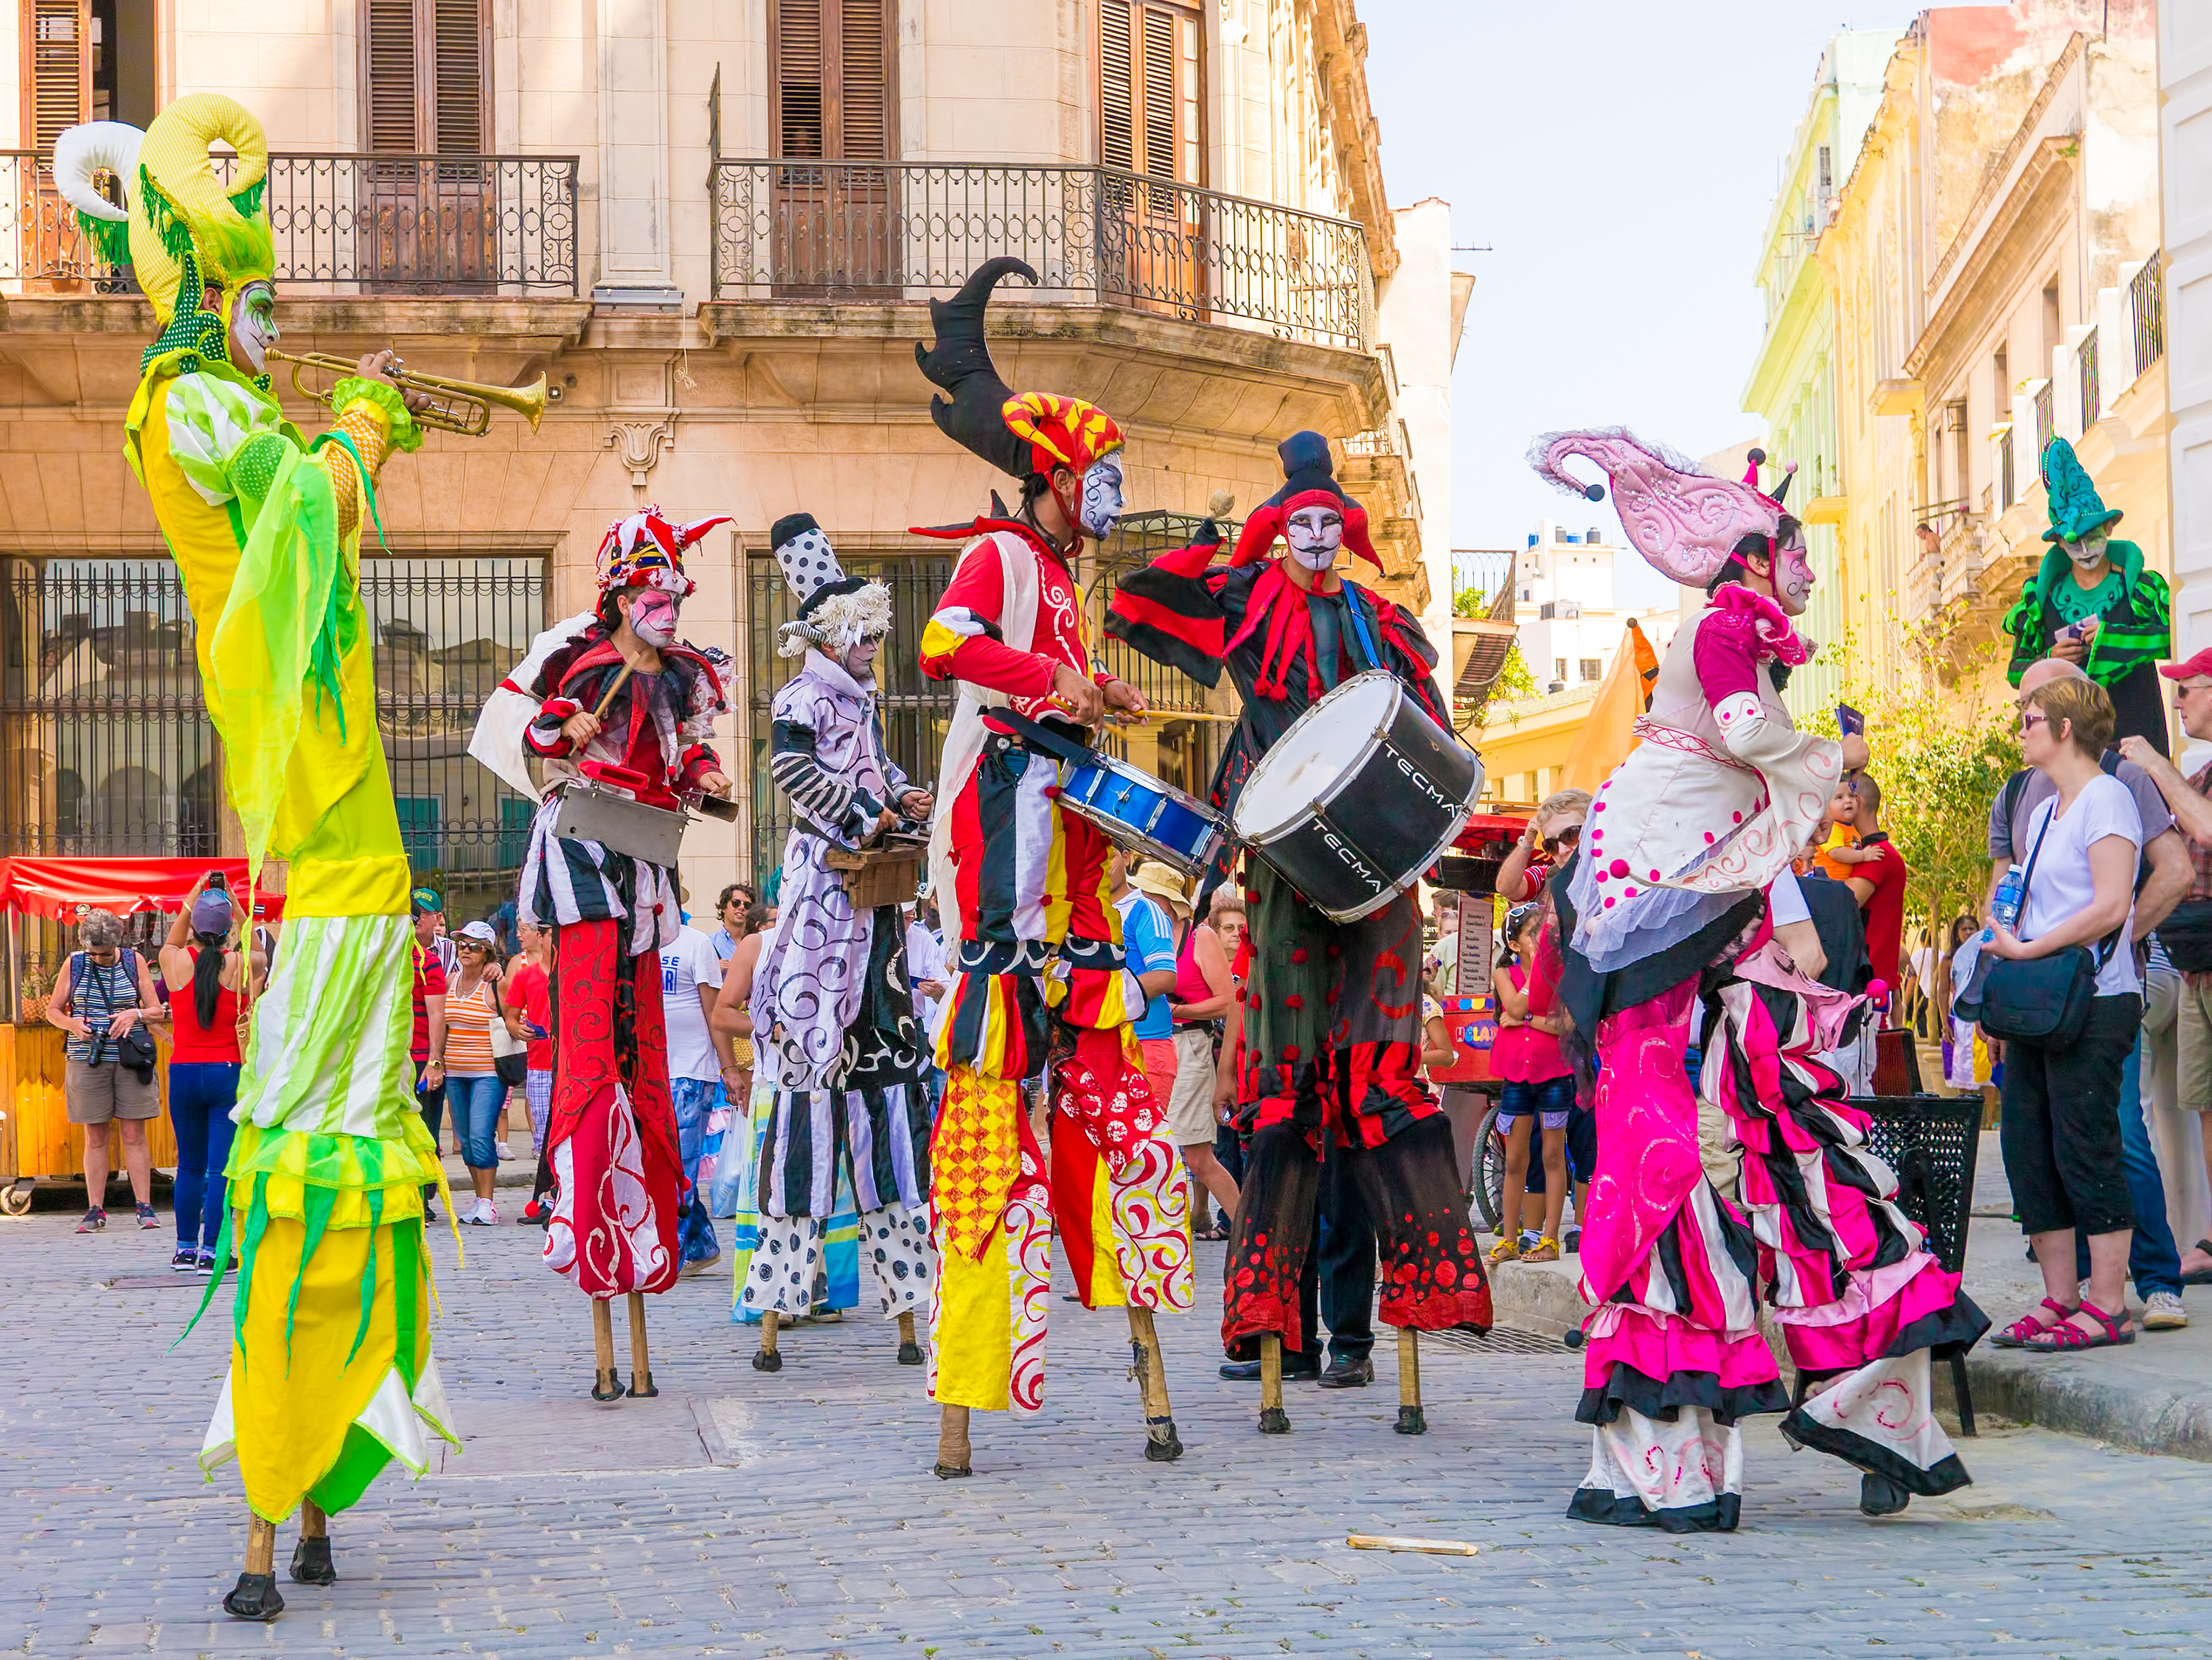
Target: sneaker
(473,1216)
(499,1151)
(205,1264)
(2162,1311)
(147,1218)
(94,1219)
(186,1259)
(487,1214)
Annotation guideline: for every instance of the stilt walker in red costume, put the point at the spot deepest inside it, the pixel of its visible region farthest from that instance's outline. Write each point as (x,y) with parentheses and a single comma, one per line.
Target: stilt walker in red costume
(614,700)
(1041,983)
(1332,1022)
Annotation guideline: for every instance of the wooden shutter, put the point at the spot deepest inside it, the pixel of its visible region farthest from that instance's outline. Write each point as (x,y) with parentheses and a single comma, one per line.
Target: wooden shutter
(833,81)
(1148,88)
(57,92)
(423,85)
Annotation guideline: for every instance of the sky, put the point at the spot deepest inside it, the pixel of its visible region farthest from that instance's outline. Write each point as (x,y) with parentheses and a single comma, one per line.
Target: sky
(1620,160)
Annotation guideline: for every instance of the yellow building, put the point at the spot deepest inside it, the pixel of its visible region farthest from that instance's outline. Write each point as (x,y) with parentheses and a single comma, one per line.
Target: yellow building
(1994,258)
(714,229)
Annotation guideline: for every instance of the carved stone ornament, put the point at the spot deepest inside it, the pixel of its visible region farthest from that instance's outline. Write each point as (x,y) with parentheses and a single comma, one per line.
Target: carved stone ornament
(641,443)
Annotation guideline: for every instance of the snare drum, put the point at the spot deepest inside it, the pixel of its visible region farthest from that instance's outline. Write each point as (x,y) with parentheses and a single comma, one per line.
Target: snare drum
(1358,798)
(1141,813)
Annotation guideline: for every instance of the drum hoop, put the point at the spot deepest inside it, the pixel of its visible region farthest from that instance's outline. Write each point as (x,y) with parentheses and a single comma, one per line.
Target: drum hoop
(1106,763)
(1344,778)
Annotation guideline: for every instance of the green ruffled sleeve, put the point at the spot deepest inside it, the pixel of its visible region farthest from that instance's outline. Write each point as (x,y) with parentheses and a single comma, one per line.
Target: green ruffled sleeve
(405,431)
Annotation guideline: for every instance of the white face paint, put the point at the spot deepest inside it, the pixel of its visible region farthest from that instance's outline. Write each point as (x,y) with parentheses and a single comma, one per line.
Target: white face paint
(253,327)
(652,617)
(1793,575)
(2089,549)
(860,661)
(1315,533)
(1101,508)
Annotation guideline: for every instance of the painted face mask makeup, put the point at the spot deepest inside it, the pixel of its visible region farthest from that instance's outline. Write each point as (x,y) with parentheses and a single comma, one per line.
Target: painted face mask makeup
(653,618)
(253,327)
(1102,504)
(2088,550)
(1793,576)
(1315,533)
(860,661)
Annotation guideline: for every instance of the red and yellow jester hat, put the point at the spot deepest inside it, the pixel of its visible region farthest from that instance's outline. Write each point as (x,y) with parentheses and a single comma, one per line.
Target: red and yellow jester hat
(644,551)
(1062,432)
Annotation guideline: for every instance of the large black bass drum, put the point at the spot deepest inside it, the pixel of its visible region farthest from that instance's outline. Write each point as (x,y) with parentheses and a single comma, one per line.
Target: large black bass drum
(1359,798)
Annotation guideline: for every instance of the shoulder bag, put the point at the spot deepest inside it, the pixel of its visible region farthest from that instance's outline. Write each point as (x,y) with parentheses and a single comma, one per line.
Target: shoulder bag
(2043,1001)
(510,1055)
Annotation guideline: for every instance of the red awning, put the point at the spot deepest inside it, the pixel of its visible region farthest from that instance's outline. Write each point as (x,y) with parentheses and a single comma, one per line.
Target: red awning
(61,888)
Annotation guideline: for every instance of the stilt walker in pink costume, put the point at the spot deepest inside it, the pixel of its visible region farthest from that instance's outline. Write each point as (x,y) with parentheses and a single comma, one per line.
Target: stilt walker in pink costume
(1681,898)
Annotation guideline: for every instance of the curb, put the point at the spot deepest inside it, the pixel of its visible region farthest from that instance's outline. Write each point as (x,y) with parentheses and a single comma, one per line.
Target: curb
(2097,1396)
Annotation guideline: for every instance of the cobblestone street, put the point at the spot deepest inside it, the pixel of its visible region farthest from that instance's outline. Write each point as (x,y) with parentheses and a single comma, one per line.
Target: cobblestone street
(795,1515)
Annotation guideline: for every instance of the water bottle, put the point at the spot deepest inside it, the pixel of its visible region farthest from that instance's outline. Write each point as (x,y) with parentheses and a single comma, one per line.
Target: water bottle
(2004,909)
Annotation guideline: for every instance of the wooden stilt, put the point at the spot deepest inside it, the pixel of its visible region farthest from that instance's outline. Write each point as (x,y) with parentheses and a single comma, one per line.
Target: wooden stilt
(909,1353)
(1412,1420)
(310,1557)
(953,1454)
(641,1368)
(1274,1421)
(766,1359)
(1161,1445)
(606,1384)
(255,1597)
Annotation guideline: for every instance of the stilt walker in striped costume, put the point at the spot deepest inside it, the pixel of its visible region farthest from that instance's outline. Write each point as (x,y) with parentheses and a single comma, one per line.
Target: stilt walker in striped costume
(1041,985)
(830,1003)
(1757,1184)
(616,698)
(330,1374)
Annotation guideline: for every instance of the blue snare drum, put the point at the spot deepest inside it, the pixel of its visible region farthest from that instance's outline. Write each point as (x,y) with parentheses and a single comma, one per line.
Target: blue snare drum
(1141,813)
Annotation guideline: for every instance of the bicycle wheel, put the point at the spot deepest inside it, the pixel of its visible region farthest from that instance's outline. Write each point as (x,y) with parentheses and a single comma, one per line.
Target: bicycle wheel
(1488,1186)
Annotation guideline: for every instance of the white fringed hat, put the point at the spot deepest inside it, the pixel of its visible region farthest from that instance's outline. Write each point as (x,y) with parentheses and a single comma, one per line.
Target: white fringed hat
(836,611)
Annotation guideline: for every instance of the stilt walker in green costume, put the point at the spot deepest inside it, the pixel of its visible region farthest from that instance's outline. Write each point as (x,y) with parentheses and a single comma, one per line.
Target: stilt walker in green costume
(331,1375)
(2093,603)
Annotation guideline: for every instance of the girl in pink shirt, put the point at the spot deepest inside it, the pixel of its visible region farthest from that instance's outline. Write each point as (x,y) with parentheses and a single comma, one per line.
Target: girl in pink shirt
(1539,1086)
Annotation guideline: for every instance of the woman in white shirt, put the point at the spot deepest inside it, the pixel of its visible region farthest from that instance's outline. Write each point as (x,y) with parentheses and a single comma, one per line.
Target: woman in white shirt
(2061,1130)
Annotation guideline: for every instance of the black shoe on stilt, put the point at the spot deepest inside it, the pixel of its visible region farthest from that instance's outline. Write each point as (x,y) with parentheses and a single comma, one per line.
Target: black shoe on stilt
(607,1387)
(311,1563)
(641,1390)
(767,1360)
(909,1355)
(947,1473)
(1880,1496)
(254,1598)
(1161,1445)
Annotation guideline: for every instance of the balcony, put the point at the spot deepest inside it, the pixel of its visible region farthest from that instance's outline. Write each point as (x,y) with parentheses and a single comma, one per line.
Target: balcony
(893,232)
(343,225)
(2147,312)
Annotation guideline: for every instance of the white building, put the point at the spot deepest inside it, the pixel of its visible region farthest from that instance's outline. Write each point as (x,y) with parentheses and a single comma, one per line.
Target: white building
(1570,624)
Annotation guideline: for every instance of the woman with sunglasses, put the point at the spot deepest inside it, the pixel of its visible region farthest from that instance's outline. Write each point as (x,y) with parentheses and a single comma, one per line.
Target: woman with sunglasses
(1554,831)
(475,1093)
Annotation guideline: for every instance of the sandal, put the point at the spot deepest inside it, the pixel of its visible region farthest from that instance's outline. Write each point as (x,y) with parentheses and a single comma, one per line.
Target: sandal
(1546,1250)
(2068,1336)
(2016,1335)
(1505,1251)
(2202,1276)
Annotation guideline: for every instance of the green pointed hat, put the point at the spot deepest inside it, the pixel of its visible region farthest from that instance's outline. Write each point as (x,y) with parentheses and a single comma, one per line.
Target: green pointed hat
(2075,507)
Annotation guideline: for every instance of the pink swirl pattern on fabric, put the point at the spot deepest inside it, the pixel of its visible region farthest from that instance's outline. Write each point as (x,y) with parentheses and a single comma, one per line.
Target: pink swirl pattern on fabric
(605,1238)
(1684,521)
(1029,1268)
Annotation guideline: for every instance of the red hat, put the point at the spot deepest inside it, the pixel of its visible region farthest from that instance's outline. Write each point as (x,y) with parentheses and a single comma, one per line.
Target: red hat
(644,551)
(2199,664)
(1309,480)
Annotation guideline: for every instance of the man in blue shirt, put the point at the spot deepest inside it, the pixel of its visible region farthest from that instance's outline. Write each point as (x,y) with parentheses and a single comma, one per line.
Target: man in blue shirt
(1148,945)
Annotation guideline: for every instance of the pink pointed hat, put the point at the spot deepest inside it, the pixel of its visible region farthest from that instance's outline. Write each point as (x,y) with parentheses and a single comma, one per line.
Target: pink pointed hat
(1682,519)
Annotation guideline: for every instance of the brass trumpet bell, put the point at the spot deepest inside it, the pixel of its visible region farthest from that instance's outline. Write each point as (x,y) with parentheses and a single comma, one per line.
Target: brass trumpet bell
(456,406)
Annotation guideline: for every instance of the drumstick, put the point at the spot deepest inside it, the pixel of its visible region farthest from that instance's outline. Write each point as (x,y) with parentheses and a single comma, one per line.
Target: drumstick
(615,685)
(1431,1547)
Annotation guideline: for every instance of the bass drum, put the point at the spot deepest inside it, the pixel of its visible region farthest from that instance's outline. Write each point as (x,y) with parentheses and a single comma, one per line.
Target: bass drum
(1359,798)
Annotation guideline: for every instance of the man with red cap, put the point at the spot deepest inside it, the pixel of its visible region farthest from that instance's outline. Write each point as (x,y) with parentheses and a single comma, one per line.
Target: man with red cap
(1332,1022)
(613,699)
(1040,984)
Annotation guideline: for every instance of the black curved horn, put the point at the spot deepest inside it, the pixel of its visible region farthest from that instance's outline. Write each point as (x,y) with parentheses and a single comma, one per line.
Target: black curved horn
(960,363)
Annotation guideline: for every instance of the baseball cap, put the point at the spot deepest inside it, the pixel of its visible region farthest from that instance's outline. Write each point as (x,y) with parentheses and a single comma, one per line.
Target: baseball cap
(426,902)
(481,932)
(2199,664)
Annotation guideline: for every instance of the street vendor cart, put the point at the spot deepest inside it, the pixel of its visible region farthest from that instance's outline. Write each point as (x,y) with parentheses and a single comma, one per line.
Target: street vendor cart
(38,1143)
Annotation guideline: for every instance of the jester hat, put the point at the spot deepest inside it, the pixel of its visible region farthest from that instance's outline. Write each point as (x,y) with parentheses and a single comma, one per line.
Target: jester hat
(1685,522)
(2069,496)
(645,550)
(1020,433)
(1308,480)
(184,230)
(836,612)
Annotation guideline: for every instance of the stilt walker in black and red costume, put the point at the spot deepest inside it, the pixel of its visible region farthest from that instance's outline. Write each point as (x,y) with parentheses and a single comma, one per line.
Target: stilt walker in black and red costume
(617,699)
(1331,1022)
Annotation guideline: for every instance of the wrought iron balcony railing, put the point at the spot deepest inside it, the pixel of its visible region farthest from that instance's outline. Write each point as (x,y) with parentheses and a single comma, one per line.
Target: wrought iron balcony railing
(888,230)
(2091,394)
(2147,311)
(343,224)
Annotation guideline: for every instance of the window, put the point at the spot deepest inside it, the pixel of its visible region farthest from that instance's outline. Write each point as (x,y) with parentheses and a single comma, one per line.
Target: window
(834,80)
(1148,89)
(1954,421)
(1593,668)
(1559,669)
(422,77)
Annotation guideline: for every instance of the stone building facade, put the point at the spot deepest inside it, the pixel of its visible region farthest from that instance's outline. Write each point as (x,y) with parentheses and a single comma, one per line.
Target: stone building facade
(713,225)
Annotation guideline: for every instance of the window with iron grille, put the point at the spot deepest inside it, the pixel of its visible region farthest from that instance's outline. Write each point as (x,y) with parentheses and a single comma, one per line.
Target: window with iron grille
(107,749)
(1593,668)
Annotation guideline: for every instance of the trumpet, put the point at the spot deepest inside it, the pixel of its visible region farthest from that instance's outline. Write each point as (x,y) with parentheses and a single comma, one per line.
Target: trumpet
(456,406)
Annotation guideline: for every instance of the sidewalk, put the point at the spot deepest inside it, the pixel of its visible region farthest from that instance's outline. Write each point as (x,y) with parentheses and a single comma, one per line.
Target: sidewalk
(2154,1396)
